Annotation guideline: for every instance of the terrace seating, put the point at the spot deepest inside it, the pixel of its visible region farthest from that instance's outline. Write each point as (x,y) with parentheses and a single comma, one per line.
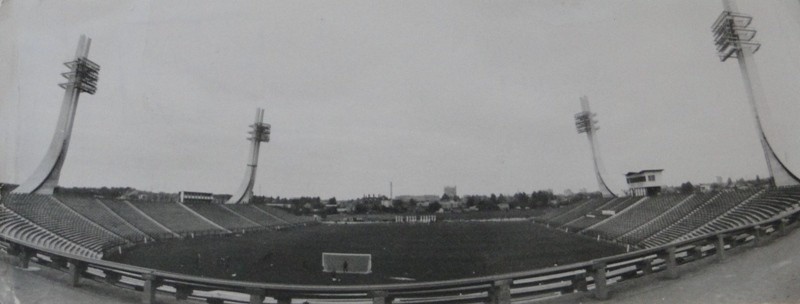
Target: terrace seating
(769,205)
(581,210)
(700,216)
(284,216)
(222,216)
(562,209)
(135,218)
(95,211)
(255,214)
(48,213)
(15,227)
(622,203)
(665,219)
(174,216)
(637,216)
(585,222)
(596,216)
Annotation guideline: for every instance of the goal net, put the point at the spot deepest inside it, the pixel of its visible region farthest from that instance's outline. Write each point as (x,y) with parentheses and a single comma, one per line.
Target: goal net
(347,262)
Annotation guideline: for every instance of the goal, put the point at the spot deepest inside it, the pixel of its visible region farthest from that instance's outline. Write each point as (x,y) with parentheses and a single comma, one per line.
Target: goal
(353,262)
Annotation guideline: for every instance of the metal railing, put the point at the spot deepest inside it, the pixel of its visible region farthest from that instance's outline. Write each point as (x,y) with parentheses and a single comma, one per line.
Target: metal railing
(593,276)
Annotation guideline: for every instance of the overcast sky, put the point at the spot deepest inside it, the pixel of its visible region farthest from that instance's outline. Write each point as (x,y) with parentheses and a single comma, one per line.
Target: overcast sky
(476,94)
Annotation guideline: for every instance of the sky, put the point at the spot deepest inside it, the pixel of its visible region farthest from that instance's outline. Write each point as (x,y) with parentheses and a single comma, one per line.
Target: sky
(424,94)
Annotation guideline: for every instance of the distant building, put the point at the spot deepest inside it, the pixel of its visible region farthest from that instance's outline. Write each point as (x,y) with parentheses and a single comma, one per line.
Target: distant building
(645,182)
(418,198)
(450,205)
(450,191)
(705,188)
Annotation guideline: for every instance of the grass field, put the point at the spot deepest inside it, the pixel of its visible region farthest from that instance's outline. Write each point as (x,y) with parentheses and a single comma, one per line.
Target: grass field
(422,252)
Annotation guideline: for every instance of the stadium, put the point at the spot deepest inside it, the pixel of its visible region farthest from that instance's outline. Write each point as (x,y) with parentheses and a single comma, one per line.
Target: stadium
(238,248)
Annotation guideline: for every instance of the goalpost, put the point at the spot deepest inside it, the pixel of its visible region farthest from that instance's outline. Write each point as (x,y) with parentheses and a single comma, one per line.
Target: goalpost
(347,262)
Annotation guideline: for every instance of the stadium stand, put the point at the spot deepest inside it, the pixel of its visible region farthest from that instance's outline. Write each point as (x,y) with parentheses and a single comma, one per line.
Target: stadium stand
(47,212)
(581,210)
(222,216)
(769,205)
(706,212)
(621,204)
(173,216)
(636,216)
(666,218)
(15,226)
(562,209)
(255,214)
(95,211)
(282,215)
(584,222)
(136,218)
(596,216)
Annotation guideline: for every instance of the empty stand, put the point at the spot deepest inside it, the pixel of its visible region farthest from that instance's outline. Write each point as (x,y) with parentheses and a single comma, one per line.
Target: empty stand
(600,214)
(173,216)
(46,212)
(621,204)
(667,218)
(579,211)
(706,212)
(282,215)
(16,227)
(562,209)
(584,222)
(764,207)
(138,219)
(222,216)
(637,215)
(256,214)
(95,211)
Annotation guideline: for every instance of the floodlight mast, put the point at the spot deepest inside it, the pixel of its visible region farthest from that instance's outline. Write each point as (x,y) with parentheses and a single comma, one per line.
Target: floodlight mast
(734,39)
(585,122)
(259,133)
(81,78)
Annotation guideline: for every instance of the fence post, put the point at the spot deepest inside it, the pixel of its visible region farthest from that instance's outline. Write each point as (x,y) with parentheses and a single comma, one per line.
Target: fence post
(182,292)
(151,282)
(671,263)
(500,292)
(599,275)
(112,277)
(720,247)
(256,295)
(76,269)
(697,252)
(757,236)
(24,257)
(579,282)
(380,297)
(647,266)
(283,299)
(782,227)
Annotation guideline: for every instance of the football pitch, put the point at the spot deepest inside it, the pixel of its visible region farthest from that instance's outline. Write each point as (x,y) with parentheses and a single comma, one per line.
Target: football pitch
(400,252)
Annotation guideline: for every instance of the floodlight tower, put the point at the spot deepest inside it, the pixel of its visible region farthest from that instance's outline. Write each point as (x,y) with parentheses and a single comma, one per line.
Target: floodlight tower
(734,39)
(260,133)
(585,122)
(82,77)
